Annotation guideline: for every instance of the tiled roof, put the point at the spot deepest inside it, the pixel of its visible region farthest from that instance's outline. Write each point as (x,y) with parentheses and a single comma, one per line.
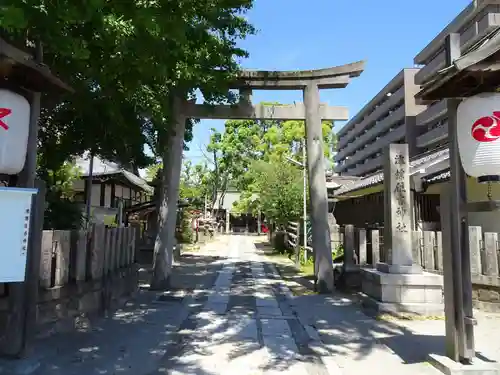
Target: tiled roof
(106,168)
(435,178)
(415,165)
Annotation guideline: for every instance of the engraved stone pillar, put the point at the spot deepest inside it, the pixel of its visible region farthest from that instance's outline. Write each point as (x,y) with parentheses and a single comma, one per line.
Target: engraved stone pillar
(397,214)
(97,251)
(398,286)
(78,255)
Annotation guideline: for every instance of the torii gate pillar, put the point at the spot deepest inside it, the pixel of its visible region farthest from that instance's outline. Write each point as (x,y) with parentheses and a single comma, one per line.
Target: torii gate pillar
(317,192)
(312,111)
(310,82)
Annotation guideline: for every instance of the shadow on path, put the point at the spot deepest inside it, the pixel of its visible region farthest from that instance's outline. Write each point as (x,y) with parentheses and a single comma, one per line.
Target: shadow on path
(135,338)
(354,337)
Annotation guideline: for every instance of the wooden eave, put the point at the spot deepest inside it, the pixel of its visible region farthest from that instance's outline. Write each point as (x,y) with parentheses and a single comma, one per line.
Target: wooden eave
(19,68)
(475,72)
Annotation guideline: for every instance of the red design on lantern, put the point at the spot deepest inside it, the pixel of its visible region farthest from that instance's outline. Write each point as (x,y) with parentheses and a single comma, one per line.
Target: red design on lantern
(3,113)
(487,128)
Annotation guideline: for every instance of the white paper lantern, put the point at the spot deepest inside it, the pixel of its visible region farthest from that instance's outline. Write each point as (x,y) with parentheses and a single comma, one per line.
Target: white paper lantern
(478,121)
(14,131)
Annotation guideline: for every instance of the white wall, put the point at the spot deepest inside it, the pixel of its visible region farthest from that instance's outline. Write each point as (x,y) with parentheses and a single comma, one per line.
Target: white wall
(476,192)
(120,192)
(229,199)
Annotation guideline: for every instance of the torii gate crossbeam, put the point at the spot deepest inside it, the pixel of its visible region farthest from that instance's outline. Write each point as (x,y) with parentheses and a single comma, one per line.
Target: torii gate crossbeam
(262,112)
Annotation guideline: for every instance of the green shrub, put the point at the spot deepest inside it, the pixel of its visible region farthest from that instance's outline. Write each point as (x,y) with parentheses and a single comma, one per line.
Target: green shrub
(338,251)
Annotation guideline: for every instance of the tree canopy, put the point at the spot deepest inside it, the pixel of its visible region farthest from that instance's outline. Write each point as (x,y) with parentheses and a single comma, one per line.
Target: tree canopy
(250,155)
(124,59)
(194,185)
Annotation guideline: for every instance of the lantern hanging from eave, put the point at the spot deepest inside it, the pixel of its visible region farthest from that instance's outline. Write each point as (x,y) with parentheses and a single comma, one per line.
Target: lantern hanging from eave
(478,122)
(14,130)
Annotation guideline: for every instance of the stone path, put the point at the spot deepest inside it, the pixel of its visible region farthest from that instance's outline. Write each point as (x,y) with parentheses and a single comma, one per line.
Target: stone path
(231,313)
(245,325)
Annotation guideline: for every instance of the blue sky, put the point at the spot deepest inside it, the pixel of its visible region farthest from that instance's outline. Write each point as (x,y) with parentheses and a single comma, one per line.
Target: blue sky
(297,34)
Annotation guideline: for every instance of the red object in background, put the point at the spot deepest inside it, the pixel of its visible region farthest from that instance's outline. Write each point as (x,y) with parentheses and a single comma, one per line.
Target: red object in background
(263,228)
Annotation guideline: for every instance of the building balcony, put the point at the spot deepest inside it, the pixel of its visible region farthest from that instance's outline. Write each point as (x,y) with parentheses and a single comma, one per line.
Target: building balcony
(395,98)
(432,113)
(377,146)
(377,129)
(432,136)
(368,166)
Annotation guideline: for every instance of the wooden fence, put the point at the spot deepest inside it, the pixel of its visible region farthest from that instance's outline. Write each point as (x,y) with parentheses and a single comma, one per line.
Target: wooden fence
(77,256)
(292,240)
(428,251)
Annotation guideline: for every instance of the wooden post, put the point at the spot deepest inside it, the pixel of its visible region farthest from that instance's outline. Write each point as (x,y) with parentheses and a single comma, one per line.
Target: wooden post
(490,252)
(112,249)
(439,251)
(46,259)
(78,255)
(107,251)
(97,251)
(429,239)
(475,240)
(24,296)
(362,246)
(297,247)
(349,251)
(375,237)
(62,243)
(417,240)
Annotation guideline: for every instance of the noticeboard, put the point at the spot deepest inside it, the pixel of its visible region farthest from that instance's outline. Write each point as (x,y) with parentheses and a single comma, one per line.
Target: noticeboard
(15,217)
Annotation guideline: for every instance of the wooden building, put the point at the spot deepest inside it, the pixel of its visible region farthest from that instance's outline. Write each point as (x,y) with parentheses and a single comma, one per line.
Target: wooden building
(113,189)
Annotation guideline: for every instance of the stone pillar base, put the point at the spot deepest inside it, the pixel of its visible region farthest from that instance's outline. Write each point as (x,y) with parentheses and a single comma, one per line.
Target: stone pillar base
(449,367)
(398,269)
(403,294)
(177,252)
(347,277)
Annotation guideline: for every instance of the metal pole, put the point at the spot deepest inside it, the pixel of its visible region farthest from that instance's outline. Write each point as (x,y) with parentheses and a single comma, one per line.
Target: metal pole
(304,176)
(88,198)
(205,206)
(459,226)
(258,222)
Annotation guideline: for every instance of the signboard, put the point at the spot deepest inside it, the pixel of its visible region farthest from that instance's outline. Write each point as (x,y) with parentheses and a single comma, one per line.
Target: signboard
(15,217)
(478,122)
(14,130)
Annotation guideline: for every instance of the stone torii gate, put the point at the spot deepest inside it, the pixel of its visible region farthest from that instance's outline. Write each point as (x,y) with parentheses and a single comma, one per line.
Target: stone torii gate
(312,111)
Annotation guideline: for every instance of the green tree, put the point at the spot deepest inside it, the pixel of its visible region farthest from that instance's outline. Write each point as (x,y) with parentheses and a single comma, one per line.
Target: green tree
(61,210)
(153,170)
(244,142)
(126,61)
(123,59)
(194,183)
(276,191)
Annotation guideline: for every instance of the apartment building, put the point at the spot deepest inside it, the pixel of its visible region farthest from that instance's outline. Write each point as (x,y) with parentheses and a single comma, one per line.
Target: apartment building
(388,118)
(474,23)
